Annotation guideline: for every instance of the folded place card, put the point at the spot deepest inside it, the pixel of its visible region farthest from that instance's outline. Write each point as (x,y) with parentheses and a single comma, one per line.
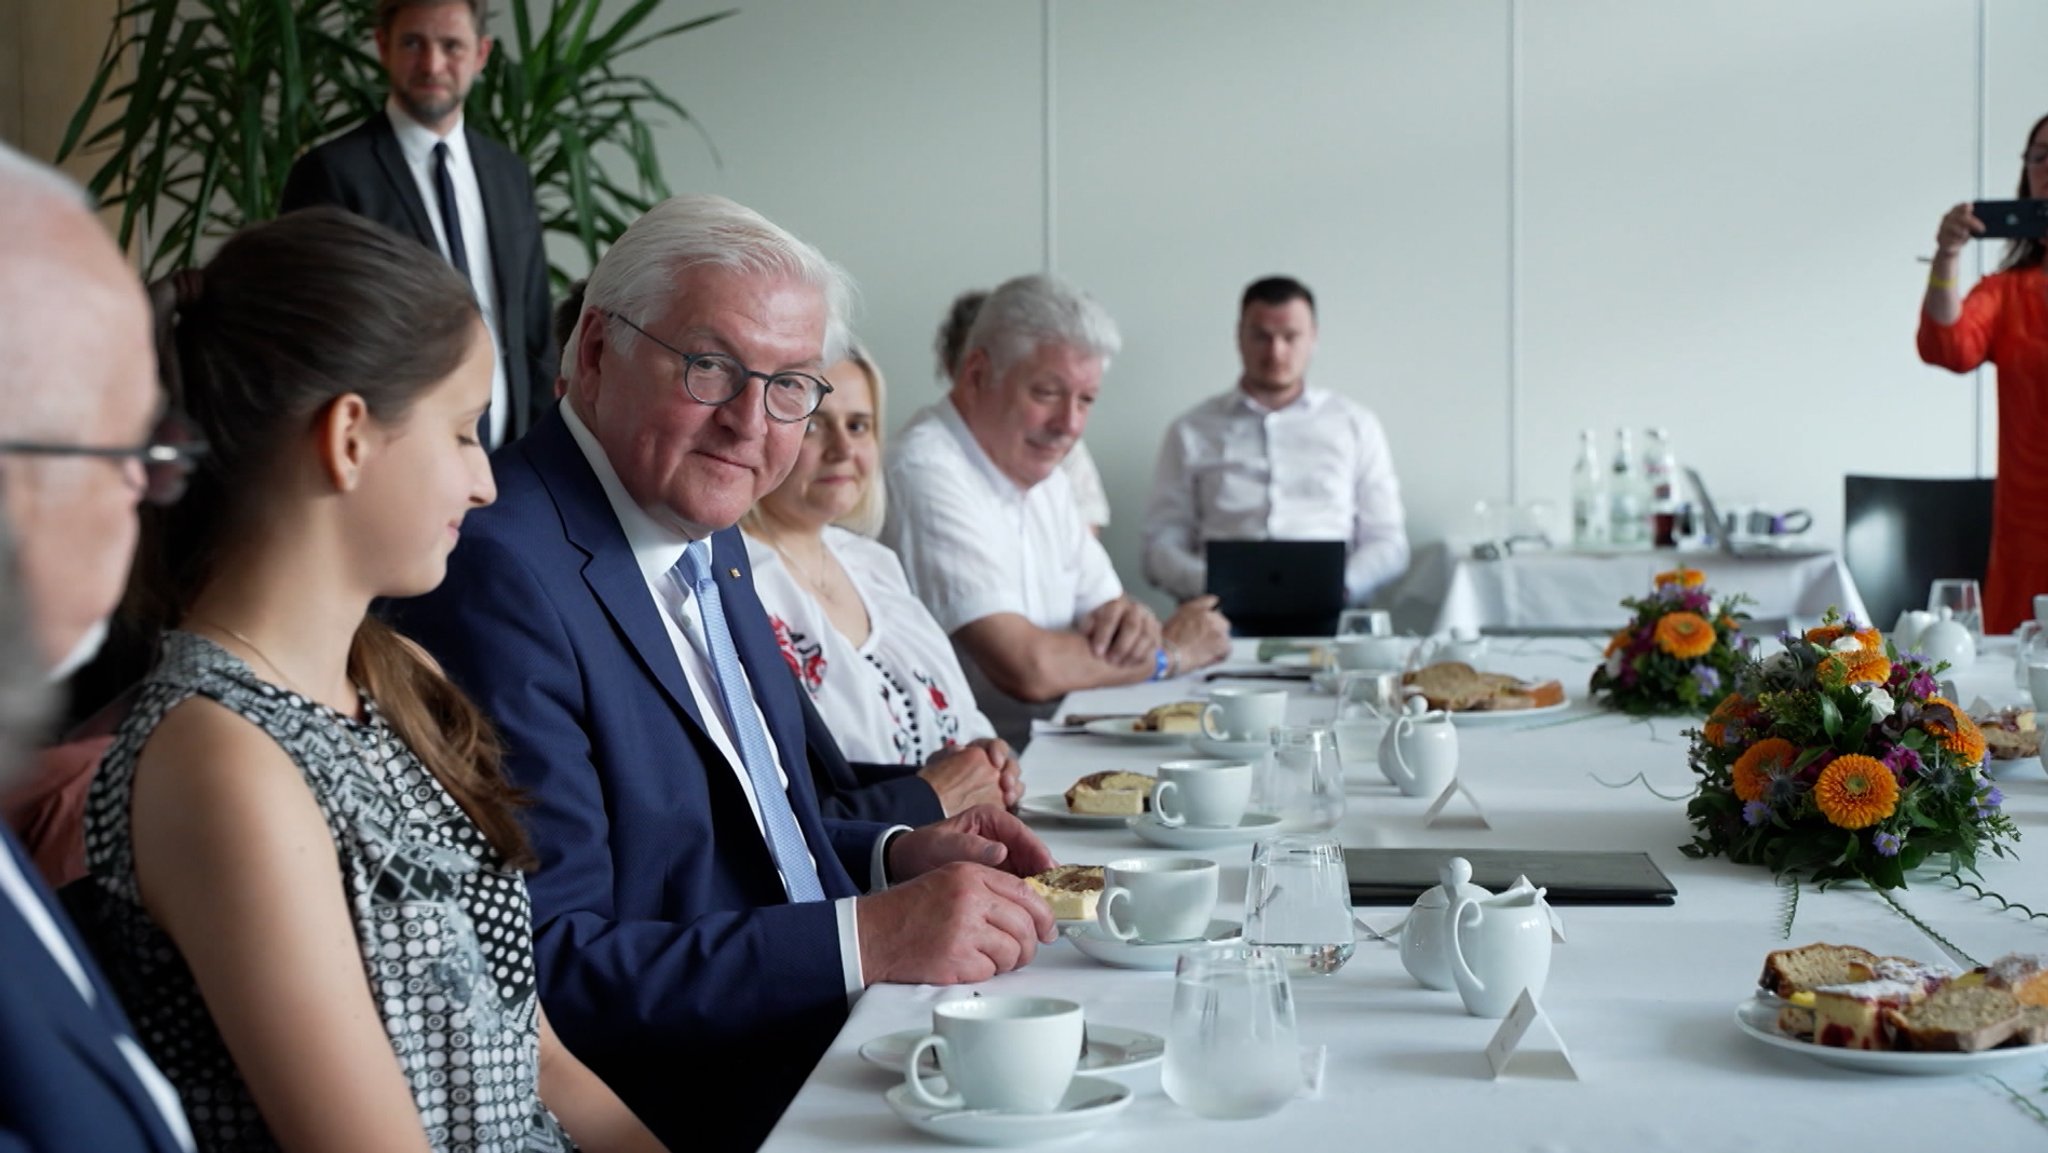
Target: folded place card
(1506,1055)
(1435,813)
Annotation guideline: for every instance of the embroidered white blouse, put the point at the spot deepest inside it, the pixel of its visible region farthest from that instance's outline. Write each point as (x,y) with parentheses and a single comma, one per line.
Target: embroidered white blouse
(898,697)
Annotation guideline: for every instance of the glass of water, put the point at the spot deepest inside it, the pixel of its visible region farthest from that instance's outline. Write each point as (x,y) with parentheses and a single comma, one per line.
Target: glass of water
(1231,1049)
(1964,601)
(1366,700)
(1365,623)
(1297,902)
(1304,778)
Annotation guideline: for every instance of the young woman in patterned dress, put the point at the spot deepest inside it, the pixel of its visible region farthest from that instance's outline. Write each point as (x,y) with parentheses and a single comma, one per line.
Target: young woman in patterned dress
(310,867)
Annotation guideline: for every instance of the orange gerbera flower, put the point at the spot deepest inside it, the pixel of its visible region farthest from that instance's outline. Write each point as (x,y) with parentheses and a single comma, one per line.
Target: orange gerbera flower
(1685,635)
(1732,708)
(1861,667)
(1758,763)
(1615,642)
(1855,791)
(1691,578)
(1965,740)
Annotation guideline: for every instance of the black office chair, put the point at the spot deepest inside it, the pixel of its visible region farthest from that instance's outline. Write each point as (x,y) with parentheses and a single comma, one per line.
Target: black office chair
(1900,534)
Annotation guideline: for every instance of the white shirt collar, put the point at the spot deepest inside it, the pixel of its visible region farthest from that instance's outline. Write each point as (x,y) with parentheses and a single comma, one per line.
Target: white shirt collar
(998,481)
(417,140)
(656,546)
(1307,401)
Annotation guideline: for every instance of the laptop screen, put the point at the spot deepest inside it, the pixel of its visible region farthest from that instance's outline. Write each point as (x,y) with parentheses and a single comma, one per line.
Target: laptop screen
(1278,587)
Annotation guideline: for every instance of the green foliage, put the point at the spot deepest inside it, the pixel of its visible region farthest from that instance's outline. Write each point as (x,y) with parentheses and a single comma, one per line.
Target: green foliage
(225,95)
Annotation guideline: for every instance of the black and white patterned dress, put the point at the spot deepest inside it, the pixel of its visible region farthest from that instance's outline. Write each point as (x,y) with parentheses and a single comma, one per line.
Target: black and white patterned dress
(446,930)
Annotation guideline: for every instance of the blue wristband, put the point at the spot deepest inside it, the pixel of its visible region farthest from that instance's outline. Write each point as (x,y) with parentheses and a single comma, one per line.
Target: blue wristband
(1160,664)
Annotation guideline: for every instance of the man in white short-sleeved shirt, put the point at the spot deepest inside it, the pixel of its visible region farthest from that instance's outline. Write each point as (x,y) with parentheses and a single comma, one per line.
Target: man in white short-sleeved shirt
(985,523)
(1274,459)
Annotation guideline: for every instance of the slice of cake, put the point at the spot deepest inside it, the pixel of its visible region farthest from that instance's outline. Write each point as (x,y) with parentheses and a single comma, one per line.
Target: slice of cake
(1904,970)
(1956,1019)
(1808,967)
(1178,717)
(2024,975)
(1071,890)
(1852,1016)
(1111,793)
(1459,688)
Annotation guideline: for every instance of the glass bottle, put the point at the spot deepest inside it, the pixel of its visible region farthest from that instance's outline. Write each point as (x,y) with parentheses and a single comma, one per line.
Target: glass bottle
(1660,472)
(1628,499)
(1590,510)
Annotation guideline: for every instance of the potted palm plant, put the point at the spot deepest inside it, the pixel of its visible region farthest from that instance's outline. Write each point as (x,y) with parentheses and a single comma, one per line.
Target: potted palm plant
(201,110)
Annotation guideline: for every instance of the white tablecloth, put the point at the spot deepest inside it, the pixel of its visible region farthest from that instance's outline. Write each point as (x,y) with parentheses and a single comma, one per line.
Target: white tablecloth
(1644,997)
(1581,592)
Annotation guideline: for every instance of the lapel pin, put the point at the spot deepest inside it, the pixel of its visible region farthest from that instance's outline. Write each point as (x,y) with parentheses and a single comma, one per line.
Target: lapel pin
(733,572)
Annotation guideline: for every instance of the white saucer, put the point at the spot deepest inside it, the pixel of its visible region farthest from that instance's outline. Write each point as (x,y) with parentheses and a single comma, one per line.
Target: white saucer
(1253,751)
(1509,717)
(1125,729)
(1089,1102)
(1091,940)
(1251,828)
(1110,1049)
(1053,807)
(1758,1017)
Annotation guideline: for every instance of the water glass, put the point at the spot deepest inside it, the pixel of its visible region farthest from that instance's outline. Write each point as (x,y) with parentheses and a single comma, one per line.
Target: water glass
(1366,700)
(1297,903)
(1231,1048)
(1365,623)
(2030,650)
(1303,781)
(1964,601)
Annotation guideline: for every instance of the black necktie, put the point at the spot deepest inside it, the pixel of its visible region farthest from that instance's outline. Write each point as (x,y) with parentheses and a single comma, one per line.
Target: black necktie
(451,220)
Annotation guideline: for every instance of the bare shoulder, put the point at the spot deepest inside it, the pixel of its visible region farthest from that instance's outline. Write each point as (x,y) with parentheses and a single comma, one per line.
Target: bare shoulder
(210,782)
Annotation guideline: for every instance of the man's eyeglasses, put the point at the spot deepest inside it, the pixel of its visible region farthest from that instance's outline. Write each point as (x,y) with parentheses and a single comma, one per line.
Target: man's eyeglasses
(713,378)
(167,458)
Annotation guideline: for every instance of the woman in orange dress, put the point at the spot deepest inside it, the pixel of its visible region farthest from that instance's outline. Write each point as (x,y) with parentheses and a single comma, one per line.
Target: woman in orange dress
(2004,320)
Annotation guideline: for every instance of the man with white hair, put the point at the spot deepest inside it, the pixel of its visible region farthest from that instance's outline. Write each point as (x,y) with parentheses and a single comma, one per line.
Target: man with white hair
(77,400)
(699,927)
(984,519)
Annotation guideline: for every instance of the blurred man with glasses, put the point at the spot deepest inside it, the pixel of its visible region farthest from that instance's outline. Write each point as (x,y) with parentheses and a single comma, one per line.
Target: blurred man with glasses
(78,395)
(700,929)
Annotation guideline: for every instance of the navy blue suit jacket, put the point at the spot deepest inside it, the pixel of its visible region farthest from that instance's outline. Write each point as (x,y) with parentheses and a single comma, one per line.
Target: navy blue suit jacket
(670,958)
(63,1084)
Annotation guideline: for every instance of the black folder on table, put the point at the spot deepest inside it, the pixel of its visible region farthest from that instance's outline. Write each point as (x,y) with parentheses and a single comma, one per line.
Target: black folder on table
(1572,876)
(1277,588)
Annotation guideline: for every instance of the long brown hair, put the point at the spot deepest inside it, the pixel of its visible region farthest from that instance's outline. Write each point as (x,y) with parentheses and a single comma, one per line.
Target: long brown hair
(2026,251)
(288,317)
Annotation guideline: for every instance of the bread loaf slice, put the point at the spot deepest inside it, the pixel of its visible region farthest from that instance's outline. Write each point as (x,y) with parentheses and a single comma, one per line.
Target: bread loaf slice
(1457,687)
(1956,1019)
(1808,967)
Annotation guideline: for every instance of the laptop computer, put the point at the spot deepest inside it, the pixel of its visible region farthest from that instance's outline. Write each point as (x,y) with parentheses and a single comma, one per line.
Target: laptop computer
(1573,877)
(1278,588)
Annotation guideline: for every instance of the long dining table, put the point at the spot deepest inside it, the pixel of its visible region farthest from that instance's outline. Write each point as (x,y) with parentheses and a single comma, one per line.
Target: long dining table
(1643,998)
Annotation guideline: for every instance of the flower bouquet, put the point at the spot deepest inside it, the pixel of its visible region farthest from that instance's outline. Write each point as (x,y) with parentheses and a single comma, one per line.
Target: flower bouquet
(1837,760)
(1679,654)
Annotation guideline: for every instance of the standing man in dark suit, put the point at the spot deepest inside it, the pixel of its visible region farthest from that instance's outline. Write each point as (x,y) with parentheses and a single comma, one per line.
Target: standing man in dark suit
(415,166)
(700,928)
(78,399)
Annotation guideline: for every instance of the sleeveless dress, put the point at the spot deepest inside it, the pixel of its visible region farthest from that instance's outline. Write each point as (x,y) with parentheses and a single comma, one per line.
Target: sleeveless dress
(445,928)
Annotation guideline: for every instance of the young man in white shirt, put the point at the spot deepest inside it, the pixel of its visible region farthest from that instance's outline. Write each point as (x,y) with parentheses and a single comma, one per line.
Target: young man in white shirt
(1274,459)
(984,521)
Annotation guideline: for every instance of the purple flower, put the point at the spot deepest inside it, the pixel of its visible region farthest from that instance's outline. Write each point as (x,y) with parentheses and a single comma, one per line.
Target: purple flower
(1902,761)
(1695,600)
(1886,844)
(1922,685)
(1755,813)
(1988,801)
(1708,678)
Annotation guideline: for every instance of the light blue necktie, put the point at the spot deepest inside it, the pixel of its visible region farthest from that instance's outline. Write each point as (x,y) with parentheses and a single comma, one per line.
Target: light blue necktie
(785,839)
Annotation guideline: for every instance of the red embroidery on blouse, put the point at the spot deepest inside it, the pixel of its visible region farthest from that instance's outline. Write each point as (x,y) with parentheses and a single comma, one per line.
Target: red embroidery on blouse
(805,657)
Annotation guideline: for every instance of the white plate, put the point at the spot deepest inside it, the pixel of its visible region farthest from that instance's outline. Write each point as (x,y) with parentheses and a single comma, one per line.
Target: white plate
(1758,1017)
(1509,716)
(1251,828)
(1251,751)
(1110,1049)
(1089,1102)
(1122,729)
(1053,807)
(1091,940)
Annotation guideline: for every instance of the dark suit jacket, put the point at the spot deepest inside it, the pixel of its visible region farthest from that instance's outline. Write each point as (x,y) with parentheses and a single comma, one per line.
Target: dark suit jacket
(63,1084)
(364,171)
(670,959)
(891,794)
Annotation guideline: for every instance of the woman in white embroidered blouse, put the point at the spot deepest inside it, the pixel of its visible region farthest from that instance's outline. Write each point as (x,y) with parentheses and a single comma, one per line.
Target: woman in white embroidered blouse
(880,670)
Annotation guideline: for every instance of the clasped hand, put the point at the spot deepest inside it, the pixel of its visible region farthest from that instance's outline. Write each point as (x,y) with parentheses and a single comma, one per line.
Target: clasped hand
(961,911)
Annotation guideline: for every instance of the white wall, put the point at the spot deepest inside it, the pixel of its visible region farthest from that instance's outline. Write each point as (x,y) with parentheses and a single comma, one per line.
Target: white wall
(1520,217)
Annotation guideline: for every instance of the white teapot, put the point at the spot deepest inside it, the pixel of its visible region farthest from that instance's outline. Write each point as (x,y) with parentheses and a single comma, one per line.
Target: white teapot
(1947,639)
(1419,752)
(1912,623)
(1425,935)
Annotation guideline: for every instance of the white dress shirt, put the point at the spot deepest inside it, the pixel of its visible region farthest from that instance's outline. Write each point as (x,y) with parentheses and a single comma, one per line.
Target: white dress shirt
(417,142)
(15,885)
(900,695)
(1089,496)
(1316,469)
(974,544)
(656,549)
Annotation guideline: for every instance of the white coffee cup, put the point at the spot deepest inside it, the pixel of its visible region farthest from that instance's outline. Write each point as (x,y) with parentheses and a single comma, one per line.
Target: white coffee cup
(1163,898)
(2037,686)
(1208,794)
(1016,1054)
(1243,714)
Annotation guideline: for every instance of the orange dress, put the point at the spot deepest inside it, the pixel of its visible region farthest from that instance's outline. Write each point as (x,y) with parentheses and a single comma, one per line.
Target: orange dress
(2005,322)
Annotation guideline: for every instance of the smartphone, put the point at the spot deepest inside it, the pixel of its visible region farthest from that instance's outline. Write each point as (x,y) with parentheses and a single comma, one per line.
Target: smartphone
(2012,219)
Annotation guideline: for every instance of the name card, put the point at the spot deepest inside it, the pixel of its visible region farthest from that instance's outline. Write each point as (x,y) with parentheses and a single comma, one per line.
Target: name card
(1435,814)
(1507,1056)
